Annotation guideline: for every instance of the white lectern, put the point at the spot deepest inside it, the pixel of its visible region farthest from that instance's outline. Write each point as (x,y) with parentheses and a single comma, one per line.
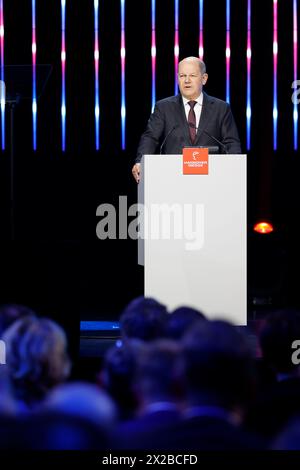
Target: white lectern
(194,233)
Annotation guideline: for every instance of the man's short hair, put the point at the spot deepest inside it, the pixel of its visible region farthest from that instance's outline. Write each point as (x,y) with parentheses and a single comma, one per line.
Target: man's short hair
(144,319)
(202,65)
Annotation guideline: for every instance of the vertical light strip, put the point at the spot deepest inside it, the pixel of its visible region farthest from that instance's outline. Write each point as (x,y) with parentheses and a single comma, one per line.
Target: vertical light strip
(34,102)
(201,46)
(2,77)
(228,51)
(275,57)
(248,99)
(153,53)
(96,60)
(123,97)
(176,45)
(295,49)
(63,75)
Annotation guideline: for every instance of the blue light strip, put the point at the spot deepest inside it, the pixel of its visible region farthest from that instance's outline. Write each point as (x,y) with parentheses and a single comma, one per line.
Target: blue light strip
(99,325)
(63,75)
(34,101)
(123,96)
(96,60)
(2,77)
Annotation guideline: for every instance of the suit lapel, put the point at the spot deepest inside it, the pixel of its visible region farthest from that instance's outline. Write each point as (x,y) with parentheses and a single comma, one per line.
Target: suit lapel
(205,115)
(182,119)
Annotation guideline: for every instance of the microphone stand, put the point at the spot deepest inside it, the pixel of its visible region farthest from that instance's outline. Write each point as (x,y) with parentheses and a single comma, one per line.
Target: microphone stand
(210,136)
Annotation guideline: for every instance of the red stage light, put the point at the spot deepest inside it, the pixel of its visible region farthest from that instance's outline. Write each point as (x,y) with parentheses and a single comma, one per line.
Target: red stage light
(263,227)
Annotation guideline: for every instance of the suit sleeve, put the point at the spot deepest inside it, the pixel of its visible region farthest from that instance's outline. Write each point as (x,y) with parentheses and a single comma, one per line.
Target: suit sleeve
(230,136)
(150,139)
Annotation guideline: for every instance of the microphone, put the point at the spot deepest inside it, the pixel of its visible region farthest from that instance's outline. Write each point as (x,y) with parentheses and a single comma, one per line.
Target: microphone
(166,138)
(209,135)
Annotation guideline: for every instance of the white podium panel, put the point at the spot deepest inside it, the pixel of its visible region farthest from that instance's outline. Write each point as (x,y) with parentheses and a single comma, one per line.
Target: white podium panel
(194,242)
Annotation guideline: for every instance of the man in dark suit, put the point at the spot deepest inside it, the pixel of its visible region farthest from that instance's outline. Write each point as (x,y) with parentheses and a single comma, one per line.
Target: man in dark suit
(159,389)
(189,118)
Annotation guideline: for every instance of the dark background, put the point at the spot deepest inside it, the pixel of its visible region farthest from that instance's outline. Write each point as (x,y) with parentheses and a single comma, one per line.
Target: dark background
(56,264)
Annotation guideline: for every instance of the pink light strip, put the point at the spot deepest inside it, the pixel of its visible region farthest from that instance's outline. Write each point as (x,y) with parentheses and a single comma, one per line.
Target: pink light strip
(153,53)
(295,54)
(275,64)
(201,46)
(34,98)
(249,55)
(2,77)
(176,45)
(227,52)
(63,75)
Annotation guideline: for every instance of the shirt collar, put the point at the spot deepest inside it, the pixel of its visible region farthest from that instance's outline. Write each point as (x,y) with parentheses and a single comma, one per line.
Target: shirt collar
(199,99)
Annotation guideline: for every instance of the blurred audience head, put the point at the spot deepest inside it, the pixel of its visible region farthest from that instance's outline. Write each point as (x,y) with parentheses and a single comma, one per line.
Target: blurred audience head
(50,430)
(289,437)
(118,373)
(7,402)
(144,319)
(82,400)
(219,365)
(37,357)
(181,319)
(9,313)
(160,372)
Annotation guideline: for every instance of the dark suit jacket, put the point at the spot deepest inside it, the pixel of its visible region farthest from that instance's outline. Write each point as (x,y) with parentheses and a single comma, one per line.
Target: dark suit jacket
(135,433)
(216,119)
(275,407)
(201,433)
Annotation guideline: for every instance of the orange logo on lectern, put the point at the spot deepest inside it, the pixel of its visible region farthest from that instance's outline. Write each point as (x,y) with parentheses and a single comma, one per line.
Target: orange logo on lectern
(195,161)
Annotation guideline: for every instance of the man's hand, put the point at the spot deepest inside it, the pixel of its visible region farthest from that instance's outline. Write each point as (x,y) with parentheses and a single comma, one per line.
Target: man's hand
(136,172)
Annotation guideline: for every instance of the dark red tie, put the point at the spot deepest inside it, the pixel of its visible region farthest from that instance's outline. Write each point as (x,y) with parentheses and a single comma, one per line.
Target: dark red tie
(192,121)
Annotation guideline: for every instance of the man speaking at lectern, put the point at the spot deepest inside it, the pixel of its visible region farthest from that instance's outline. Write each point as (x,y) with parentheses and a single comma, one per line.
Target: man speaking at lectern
(191,118)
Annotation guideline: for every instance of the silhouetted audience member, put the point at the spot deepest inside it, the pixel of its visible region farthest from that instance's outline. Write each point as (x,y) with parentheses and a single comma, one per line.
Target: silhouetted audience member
(277,334)
(9,313)
(8,405)
(278,403)
(219,382)
(159,386)
(144,319)
(117,376)
(181,319)
(56,431)
(9,428)
(75,416)
(289,438)
(37,359)
(82,400)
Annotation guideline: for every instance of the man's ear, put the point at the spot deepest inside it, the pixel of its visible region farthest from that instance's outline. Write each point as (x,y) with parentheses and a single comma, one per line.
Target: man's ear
(204,78)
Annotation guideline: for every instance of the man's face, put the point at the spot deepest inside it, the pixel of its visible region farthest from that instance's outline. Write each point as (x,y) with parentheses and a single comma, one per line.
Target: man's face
(190,79)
